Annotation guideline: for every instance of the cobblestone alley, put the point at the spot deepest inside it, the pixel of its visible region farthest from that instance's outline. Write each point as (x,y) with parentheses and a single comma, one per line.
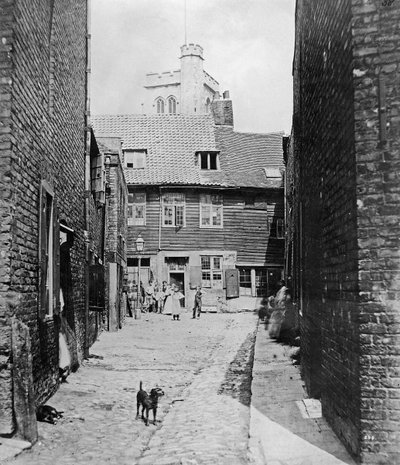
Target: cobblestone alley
(204,367)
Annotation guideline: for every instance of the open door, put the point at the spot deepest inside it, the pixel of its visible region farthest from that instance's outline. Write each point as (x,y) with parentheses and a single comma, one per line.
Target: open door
(178,278)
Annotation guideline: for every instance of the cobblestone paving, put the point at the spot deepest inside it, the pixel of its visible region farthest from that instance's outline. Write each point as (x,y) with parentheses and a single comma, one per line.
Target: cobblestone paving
(204,367)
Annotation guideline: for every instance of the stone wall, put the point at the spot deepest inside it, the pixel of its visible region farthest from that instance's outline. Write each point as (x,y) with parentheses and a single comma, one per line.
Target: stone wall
(42,130)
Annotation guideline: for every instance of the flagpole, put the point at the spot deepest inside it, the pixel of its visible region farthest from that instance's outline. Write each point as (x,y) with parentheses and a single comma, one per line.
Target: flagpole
(185,25)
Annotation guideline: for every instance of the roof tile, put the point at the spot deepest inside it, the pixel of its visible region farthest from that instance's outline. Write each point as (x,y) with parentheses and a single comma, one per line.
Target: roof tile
(171,142)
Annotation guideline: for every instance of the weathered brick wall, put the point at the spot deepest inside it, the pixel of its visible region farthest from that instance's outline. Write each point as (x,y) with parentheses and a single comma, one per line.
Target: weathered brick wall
(376,42)
(222,111)
(6,18)
(116,235)
(44,57)
(346,130)
(326,203)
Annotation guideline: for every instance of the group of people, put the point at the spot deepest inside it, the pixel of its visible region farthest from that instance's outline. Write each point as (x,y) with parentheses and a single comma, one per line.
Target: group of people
(165,299)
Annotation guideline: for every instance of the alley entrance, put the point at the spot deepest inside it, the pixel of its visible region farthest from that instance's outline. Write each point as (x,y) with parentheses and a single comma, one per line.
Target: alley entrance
(203,366)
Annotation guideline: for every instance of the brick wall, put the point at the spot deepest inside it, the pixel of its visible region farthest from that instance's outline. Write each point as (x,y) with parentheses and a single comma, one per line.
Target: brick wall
(42,111)
(376,42)
(222,111)
(326,206)
(346,154)
(116,236)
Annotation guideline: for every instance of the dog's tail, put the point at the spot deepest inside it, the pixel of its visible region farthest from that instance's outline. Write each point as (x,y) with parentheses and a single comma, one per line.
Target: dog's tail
(140,386)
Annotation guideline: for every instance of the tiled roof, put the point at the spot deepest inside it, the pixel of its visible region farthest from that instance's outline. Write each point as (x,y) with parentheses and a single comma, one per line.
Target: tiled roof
(171,142)
(245,156)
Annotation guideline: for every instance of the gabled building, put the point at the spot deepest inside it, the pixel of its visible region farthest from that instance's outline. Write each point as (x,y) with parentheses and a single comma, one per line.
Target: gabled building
(207,200)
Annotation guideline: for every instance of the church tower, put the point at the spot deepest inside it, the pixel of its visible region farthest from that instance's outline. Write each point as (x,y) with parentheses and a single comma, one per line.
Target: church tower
(189,90)
(192,79)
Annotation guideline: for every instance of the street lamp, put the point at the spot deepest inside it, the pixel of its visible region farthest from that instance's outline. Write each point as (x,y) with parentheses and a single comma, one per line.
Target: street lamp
(139,243)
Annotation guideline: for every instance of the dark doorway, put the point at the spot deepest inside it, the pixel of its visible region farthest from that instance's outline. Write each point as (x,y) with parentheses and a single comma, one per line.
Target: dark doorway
(179,280)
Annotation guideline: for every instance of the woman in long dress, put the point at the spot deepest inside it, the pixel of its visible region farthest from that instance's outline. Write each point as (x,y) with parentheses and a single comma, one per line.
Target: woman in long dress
(168,305)
(278,315)
(176,299)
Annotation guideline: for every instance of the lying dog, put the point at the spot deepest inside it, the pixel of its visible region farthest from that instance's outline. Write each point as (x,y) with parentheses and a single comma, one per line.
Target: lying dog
(148,402)
(48,414)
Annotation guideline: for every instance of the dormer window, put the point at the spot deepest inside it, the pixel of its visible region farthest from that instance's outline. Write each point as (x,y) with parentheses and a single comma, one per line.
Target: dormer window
(172,105)
(135,158)
(160,105)
(208,160)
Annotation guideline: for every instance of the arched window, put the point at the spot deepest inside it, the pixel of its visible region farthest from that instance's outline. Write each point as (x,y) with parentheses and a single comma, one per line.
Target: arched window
(208,105)
(172,105)
(160,105)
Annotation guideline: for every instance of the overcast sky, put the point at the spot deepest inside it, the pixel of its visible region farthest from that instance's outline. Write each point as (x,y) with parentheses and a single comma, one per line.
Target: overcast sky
(248,49)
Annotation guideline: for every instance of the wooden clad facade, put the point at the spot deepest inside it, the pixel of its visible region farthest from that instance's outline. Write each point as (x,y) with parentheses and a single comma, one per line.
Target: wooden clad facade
(248,239)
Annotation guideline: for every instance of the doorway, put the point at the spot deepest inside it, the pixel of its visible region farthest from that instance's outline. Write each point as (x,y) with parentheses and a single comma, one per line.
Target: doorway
(178,278)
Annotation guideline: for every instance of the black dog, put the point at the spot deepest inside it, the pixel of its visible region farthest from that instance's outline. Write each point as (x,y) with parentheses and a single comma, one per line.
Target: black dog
(148,402)
(48,414)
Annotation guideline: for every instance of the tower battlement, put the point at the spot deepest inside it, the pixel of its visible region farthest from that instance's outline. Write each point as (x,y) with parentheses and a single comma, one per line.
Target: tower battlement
(192,50)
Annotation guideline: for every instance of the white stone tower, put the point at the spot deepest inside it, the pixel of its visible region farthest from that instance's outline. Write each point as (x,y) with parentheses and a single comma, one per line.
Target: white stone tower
(192,79)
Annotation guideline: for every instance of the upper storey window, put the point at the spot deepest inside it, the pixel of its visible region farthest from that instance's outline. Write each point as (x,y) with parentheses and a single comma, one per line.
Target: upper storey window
(173,209)
(160,105)
(211,211)
(172,105)
(208,160)
(135,158)
(208,104)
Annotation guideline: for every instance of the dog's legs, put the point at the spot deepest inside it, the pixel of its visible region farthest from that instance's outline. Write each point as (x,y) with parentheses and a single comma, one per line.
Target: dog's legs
(154,415)
(137,408)
(147,417)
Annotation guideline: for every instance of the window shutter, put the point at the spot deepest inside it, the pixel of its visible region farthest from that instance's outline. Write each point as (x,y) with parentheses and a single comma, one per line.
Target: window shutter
(195,277)
(232,283)
(43,254)
(56,258)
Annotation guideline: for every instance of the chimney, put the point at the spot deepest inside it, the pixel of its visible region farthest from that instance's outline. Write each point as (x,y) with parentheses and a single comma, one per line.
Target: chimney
(226,95)
(222,111)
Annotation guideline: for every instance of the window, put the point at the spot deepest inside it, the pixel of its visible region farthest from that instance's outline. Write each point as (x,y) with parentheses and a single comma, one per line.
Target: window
(245,281)
(133,270)
(49,253)
(211,208)
(173,210)
(160,105)
(211,271)
(136,208)
(176,263)
(208,160)
(259,281)
(97,173)
(172,105)
(135,158)
(208,103)
(280,229)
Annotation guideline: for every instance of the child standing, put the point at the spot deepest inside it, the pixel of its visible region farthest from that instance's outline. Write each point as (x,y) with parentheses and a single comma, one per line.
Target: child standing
(197,302)
(176,297)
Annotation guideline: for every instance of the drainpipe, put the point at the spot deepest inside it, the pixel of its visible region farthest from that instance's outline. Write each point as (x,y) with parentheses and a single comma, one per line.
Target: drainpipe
(159,219)
(87,179)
